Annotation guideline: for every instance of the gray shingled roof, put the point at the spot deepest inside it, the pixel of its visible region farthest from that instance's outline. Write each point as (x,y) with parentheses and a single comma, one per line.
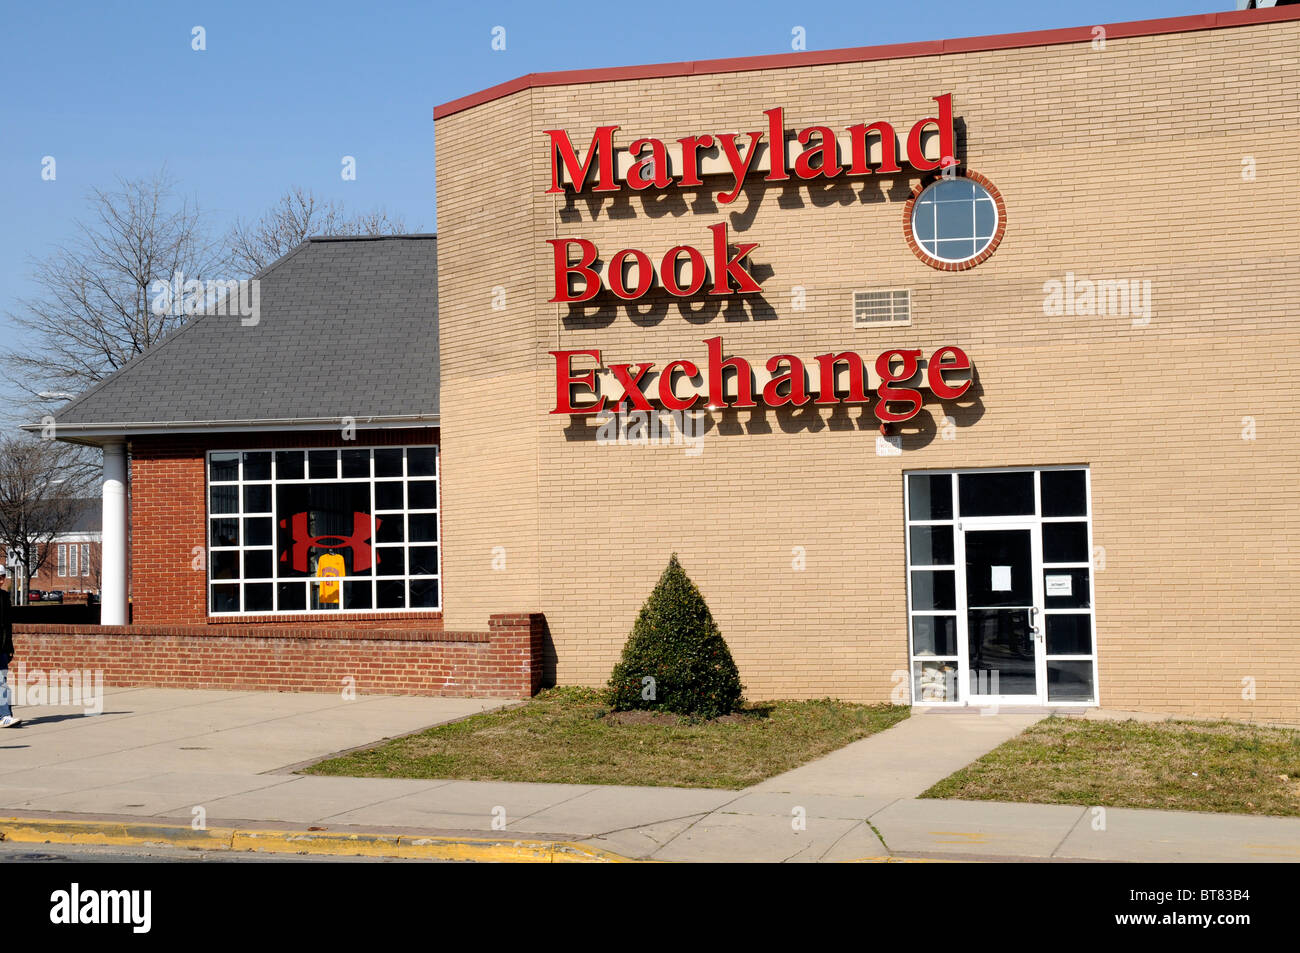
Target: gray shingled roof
(89,517)
(348,328)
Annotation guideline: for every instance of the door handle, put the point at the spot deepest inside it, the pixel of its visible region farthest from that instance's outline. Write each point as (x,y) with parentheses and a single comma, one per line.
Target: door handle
(1033,629)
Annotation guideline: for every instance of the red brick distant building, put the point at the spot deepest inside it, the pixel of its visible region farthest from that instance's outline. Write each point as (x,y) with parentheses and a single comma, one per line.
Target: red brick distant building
(71,562)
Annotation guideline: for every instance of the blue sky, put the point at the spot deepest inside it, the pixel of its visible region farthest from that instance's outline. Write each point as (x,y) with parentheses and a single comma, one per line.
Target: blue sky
(284,90)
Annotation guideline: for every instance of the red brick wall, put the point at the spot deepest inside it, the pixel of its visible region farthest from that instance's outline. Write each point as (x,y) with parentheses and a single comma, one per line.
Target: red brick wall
(87,578)
(504,662)
(169,508)
(167,514)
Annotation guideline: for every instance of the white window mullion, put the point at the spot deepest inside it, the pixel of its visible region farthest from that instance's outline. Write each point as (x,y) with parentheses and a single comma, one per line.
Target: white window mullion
(401,513)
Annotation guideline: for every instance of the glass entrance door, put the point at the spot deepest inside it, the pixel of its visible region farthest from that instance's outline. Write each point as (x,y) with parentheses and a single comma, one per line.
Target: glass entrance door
(1004,658)
(992,556)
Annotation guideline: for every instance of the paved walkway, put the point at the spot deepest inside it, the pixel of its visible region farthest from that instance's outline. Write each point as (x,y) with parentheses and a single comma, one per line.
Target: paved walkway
(906,759)
(159,754)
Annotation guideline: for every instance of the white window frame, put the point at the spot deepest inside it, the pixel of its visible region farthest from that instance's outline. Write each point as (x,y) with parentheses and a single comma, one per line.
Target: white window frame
(973,237)
(957,568)
(74,564)
(63,560)
(322,613)
(85,559)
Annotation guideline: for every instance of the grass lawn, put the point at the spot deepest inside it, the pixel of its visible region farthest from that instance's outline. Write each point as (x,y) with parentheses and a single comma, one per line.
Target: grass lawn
(566,735)
(1178,766)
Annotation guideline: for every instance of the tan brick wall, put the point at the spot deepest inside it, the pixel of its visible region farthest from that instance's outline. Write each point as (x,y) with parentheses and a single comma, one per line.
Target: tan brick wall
(1125,163)
(485,354)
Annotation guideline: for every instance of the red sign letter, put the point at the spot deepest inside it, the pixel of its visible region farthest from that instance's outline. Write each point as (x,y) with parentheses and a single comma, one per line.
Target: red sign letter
(947,139)
(772,395)
(563,269)
(776,144)
(602,145)
(960,362)
(668,271)
(632,384)
(656,162)
(888,148)
(644,274)
(725,267)
(826,148)
(857,393)
(691,160)
(564,381)
(888,377)
(667,396)
(739,168)
(744,377)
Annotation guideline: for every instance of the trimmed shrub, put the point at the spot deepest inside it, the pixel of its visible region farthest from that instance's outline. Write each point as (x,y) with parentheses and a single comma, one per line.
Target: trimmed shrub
(676,643)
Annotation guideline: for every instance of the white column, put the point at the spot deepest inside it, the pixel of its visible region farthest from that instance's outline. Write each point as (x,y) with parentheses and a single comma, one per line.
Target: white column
(113,561)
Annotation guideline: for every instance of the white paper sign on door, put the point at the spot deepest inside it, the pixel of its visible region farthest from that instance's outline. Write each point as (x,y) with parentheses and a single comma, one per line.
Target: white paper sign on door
(1001,579)
(1060,585)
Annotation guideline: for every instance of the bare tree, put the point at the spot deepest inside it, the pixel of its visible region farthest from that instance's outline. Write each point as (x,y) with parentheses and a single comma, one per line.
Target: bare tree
(297,216)
(43,487)
(99,306)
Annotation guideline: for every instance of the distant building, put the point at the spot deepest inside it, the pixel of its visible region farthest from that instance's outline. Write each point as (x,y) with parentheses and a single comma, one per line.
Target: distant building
(72,560)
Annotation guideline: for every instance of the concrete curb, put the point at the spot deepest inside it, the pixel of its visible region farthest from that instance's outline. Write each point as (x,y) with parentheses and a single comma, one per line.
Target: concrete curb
(892,859)
(398,846)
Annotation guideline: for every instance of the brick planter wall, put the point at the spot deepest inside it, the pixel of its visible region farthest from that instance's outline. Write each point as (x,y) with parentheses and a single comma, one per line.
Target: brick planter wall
(504,662)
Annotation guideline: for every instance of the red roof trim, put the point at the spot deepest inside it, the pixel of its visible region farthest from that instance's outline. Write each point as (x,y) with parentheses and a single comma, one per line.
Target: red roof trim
(863,54)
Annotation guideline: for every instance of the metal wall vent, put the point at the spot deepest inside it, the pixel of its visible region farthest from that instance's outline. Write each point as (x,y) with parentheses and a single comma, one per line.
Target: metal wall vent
(893,306)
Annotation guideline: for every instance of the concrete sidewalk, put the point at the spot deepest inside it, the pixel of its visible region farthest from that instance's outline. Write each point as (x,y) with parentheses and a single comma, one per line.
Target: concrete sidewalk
(155,756)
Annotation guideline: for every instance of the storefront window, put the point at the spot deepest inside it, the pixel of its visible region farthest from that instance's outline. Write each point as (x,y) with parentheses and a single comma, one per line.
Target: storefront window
(321,531)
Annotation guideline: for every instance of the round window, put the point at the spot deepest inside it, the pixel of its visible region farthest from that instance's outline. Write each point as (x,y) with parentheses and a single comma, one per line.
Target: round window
(955,223)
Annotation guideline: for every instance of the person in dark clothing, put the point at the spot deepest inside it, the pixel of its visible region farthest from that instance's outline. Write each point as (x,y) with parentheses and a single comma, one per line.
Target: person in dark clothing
(7,719)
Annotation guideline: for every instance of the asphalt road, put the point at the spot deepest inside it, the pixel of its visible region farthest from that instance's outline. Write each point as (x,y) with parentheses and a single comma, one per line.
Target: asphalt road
(91,854)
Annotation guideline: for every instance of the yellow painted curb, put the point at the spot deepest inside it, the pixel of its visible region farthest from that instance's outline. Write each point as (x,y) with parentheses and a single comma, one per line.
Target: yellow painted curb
(404,847)
(108,833)
(898,860)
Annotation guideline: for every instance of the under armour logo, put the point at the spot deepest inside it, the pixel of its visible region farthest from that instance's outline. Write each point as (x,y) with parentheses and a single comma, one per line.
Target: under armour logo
(363,527)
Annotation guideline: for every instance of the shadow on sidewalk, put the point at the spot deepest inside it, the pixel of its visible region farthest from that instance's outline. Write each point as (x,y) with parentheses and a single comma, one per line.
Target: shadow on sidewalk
(51,719)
